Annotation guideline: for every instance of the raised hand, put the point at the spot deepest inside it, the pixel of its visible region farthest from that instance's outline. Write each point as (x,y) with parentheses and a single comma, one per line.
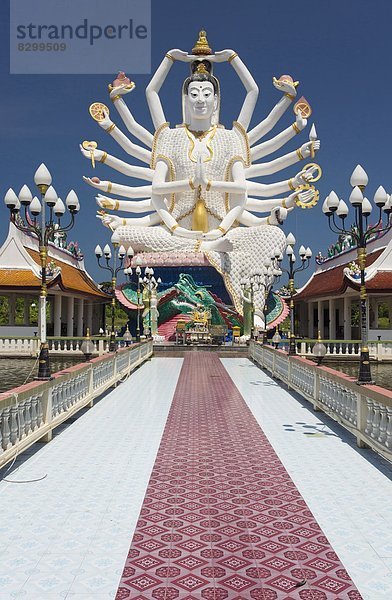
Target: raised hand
(221,56)
(285,86)
(304,177)
(106,121)
(105,202)
(300,121)
(304,196)
(200,175)
(181,55)
(306,149)
(121,90)
(110,221)
(87,153)
(278,215)
(96,183)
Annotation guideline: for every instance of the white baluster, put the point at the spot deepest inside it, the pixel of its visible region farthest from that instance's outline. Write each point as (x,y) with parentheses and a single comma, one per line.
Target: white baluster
(388,440)
(383,425)
(5,427)
(27,413)
(21,420)
(376,421)
(13,425)
(33,403)
(369,417)
(39,411)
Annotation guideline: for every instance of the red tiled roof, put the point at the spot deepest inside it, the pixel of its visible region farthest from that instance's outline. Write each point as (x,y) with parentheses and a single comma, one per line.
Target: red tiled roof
(69,279)
(382,282)
(18,278)
(332,281)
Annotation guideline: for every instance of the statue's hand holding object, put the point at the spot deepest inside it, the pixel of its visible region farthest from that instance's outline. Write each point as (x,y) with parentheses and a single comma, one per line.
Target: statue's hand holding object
(89,151)
(110,221)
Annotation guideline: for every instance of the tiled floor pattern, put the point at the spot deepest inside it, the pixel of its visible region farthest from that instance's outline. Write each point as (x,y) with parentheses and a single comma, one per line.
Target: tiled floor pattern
(346,488)
(221,518)
(67,536)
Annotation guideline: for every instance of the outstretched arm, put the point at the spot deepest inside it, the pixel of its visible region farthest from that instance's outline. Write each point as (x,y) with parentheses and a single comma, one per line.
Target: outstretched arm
(152,90)
(279,140)
(116,96)
(125,143)
(141,191)
(131,206)
(252,91)
(283,161)
(290,93)
(277,216)
(119,165)
(265,190)
(262,206)
(112,221)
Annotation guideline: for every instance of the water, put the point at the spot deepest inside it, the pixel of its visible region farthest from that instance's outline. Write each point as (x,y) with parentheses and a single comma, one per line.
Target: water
(381,372)
(16,371)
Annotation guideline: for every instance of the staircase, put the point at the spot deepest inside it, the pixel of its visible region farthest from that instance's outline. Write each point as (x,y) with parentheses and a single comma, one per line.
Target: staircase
(168,329)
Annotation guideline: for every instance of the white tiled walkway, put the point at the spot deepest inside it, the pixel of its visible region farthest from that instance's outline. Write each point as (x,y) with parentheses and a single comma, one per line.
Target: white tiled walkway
(68,536)
(348,490)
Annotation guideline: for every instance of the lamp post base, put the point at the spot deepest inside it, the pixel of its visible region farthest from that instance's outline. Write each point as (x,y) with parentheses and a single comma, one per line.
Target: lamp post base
(112,342)
(364,375)
(43,364)
(292,346)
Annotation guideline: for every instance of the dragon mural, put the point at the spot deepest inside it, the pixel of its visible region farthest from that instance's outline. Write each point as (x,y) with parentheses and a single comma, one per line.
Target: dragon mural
(179,302)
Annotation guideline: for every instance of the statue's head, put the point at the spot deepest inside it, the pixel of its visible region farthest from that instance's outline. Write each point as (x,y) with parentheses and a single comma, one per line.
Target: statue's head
(201,93)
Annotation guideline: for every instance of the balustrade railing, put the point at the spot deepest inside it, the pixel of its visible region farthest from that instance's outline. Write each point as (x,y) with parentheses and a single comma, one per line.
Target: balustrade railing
(30,412)
(365,410)
(61,346)
(379,350)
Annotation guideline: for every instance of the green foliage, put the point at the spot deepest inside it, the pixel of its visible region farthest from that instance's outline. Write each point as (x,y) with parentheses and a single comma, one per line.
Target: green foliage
(3,310)
(19,310)
(120,316)
(355,315)
(383,316)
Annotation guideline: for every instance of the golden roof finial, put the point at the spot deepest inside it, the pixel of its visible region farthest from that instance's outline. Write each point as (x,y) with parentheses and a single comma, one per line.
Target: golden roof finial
(201,47)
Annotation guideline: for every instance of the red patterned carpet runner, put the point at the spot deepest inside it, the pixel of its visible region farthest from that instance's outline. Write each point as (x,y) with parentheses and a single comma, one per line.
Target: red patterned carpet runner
(221,518)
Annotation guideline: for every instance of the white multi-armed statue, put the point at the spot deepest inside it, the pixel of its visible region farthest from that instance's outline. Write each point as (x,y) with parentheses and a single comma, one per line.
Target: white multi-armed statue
(201,195)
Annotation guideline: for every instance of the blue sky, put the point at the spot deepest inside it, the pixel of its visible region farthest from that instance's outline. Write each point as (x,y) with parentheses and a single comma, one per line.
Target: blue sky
(338,50)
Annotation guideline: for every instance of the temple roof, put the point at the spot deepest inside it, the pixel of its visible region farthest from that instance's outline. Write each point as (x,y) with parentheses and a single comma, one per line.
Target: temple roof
(71,278)
(333,281)
(20,267)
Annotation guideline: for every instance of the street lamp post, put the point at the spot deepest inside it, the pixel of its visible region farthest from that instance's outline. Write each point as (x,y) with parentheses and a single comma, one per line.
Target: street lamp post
(271,273)
(361,234)
(150,286)
(248,287)
(120,253)
(305,256)
(257,282)
(128,272)
(43,230)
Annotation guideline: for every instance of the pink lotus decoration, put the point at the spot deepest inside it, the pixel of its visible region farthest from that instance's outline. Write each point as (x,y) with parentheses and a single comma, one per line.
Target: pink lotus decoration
(121,79)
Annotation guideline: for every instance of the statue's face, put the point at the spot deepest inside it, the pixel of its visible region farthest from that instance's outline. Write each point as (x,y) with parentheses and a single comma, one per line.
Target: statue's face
(201,99)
